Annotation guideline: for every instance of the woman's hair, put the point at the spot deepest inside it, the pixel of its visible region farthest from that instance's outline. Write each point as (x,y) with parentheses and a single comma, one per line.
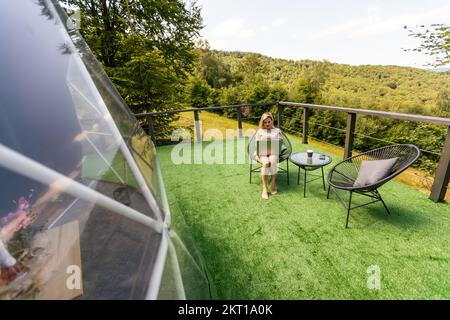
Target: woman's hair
(264,117)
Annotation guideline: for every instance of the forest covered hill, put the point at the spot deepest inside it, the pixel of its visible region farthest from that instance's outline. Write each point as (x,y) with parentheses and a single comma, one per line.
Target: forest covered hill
(227,78)
(393,88)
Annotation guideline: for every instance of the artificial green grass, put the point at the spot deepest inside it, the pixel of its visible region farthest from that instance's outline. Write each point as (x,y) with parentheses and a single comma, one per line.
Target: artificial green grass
(290,247)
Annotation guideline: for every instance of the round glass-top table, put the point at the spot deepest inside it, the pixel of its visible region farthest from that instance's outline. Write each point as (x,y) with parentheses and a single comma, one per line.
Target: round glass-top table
(317,161)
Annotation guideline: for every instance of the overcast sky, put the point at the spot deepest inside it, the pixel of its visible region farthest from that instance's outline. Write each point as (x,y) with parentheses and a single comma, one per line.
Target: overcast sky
(344,31)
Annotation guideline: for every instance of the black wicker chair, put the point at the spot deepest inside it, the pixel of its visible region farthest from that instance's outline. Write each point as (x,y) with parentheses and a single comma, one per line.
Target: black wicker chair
(344,174)
(285,152)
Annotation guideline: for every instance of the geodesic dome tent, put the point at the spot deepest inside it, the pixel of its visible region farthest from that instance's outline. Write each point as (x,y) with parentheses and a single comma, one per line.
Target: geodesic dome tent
(83,211)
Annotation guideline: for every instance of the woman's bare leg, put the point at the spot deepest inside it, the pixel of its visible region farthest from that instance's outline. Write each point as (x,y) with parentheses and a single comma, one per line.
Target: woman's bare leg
(273,187)
(265,195)
(273,166)
(265,162)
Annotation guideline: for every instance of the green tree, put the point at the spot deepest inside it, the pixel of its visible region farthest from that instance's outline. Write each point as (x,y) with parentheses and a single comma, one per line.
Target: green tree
(198,92)
(278,92)
(146,46)
(170,26)
(252,64)
(308,87)
(231,96)
(214,71)
(146,80)
(435,42)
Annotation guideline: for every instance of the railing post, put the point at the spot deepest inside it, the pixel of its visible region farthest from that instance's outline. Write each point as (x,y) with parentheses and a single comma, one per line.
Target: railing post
(442,175)
(239,116)
(151,129)
(279,115)
(198,132)
(305,124)
(349,134)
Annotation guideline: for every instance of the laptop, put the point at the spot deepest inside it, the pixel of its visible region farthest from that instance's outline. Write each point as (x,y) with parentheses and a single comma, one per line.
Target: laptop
(268,147)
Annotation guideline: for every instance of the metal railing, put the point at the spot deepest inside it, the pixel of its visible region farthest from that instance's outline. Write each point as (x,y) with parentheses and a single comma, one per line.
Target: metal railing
(150,116)
(442,173)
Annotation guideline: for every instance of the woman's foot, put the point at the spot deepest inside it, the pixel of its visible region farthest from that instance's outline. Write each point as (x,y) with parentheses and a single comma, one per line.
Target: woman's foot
(265,195)
(274,191)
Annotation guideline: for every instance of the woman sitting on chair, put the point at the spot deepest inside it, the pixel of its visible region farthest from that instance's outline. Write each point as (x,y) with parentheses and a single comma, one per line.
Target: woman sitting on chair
(268,139)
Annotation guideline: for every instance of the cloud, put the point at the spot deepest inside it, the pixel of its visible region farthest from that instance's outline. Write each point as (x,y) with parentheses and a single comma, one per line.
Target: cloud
(373,24)
(338,29)
(233,28)
(275,24)
(397,22)
(240,29)
(278,23)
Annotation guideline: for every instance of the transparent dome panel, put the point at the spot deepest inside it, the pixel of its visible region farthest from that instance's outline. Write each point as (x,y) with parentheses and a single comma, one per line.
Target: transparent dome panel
(72,118)
(54,245)
(100,220)
(140,144)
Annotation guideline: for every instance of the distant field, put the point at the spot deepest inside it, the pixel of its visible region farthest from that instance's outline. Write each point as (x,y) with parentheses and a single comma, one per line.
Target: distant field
(211,120)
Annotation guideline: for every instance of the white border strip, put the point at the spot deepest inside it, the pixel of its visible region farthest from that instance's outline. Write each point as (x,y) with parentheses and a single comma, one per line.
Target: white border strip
(177,272)
(158,268)
(162,191)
